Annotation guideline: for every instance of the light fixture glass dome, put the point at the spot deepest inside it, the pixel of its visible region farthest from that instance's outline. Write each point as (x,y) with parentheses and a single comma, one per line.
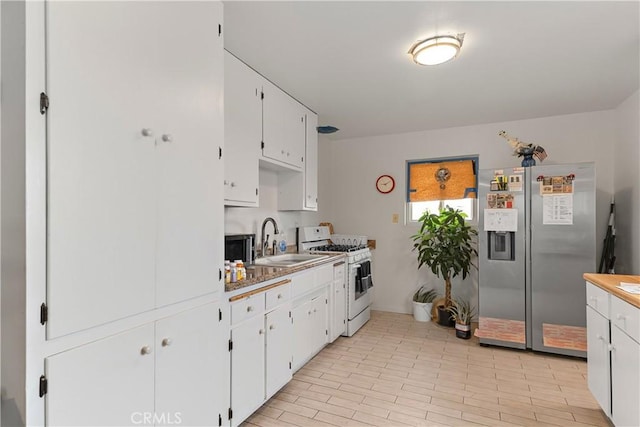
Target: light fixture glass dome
(436,50)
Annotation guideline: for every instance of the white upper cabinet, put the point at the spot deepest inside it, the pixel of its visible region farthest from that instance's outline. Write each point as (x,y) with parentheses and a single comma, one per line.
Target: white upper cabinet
(299,192)
(242,132)
(283,127)
(134,182)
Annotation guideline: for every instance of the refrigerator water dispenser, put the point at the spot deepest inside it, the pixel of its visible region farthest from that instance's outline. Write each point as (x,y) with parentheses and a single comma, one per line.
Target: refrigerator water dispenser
(501,245)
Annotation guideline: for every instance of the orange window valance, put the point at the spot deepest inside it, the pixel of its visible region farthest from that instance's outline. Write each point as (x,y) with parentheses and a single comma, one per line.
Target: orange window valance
(424,184)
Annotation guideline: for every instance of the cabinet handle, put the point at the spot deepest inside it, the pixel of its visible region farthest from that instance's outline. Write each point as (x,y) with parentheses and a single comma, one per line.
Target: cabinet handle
(233,184)
(309,313)
(166,342)
(282,152)
(147,132)
(600,337)
(167,137)
(314,310)
(620,317)
(272,327)
(249,308)
(261,331)
(593,299)
(279,296)
(145,350)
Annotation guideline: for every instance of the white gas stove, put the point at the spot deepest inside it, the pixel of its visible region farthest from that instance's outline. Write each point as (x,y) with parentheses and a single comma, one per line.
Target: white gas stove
(359,282)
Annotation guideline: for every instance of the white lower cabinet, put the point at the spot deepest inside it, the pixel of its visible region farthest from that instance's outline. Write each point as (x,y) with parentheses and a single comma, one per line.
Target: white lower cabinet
(613,355)
(310,332)
(157,374)
(338,302)
(260,349)
(598,368)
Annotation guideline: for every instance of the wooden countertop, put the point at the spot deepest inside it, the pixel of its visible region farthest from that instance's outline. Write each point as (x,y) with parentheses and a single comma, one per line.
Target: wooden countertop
(261,273)
(609,283)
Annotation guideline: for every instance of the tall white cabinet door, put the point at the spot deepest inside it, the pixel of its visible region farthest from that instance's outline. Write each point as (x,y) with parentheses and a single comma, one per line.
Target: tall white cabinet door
(242,132)
(303,341)
(247,367)
(625,372)
(279,349)
(189,136)
(283,128)
(105,383)
(311,161)
(101,213)
(189,383)
(598,356)
(339,316)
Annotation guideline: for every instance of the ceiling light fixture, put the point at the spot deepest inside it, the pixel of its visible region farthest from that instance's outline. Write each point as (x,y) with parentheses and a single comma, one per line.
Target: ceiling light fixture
(436,50)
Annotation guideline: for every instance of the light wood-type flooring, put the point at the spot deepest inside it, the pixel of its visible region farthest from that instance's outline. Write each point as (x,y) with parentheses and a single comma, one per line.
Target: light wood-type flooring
(397,372)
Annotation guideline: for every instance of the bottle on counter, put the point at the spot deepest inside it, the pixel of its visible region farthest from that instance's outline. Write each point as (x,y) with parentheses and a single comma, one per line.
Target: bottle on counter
(240,270)
(227,271)
(234,272)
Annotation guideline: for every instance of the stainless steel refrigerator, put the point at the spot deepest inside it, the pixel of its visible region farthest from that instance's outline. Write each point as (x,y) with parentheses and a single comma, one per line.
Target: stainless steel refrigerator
(536,239)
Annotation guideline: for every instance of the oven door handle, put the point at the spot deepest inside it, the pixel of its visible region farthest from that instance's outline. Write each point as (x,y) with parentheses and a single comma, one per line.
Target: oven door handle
(356,266)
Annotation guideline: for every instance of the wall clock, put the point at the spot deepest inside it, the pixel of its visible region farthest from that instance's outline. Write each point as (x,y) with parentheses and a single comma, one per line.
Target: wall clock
(385,184)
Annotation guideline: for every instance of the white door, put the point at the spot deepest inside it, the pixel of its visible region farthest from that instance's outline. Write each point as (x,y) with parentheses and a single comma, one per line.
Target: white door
(302,330)
(320,328)
(339,318)
(283,126)
(101,213)
(104,383)
(189,383)
(242,132)
(311,161)
(279,349)
(189,136)
(247,367)
(625,372)
(598,358)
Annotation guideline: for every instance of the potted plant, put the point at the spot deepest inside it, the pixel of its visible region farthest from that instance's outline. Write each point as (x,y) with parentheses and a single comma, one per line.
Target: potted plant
(445,244)
(463,312)
(423,303)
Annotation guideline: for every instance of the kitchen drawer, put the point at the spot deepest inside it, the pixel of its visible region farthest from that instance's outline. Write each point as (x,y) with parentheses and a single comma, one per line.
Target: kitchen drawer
(598,299)
(324,275)
(626,317)
(279,294)
(247,307)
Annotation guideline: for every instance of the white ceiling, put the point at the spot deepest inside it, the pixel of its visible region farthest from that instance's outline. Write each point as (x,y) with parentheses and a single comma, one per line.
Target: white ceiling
(348,61)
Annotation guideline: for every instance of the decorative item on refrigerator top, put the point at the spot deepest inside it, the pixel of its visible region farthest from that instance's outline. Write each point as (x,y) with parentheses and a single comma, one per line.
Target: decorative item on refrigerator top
(359,279)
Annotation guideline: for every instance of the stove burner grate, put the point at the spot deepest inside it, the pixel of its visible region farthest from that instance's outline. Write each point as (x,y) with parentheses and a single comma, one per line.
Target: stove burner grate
(339,248)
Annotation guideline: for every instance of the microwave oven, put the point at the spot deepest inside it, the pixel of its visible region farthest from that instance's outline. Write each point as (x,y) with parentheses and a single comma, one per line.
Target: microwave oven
(240,246)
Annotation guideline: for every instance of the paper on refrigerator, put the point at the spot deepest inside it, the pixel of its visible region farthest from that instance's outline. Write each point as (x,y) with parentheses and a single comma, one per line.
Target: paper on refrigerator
(501,220)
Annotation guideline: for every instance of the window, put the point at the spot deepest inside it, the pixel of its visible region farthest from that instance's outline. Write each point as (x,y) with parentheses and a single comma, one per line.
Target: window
(434,184)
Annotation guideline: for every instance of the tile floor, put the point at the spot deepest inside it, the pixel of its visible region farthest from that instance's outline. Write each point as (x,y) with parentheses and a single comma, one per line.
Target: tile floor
(397,372)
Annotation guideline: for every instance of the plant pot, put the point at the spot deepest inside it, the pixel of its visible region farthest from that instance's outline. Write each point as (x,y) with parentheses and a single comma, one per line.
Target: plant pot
(422,311)
(445,318)
(463,331)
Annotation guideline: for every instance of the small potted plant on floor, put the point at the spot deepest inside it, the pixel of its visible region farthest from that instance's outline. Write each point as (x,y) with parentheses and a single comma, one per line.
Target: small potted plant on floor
(445,243)
(463,313)
(423,303)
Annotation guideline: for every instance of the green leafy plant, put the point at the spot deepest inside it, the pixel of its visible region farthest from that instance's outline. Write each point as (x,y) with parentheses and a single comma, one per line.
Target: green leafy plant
(423,295)
(462,311)
(445,244)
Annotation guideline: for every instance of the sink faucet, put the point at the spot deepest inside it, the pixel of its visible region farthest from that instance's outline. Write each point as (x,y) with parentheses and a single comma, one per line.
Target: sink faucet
(265,243)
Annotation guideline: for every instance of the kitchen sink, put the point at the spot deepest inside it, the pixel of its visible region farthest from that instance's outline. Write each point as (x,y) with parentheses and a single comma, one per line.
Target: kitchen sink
(288,260)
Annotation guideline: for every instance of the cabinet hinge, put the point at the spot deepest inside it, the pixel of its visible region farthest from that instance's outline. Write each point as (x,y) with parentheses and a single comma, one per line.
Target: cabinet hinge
(219,30)
(219,153)
(219,274)
(219,420)
(230,413)
(230,345)
(256,191)
(326,301)
(219,315)
(289,365)
(44,314)
(261,95)
(302,159)
(44,384)
(326,332)
(44,103)
(262,145)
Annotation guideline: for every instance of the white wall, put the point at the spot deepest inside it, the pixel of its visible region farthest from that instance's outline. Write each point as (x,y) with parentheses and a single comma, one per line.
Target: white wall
(356,207)
(627,185)
(249,220)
